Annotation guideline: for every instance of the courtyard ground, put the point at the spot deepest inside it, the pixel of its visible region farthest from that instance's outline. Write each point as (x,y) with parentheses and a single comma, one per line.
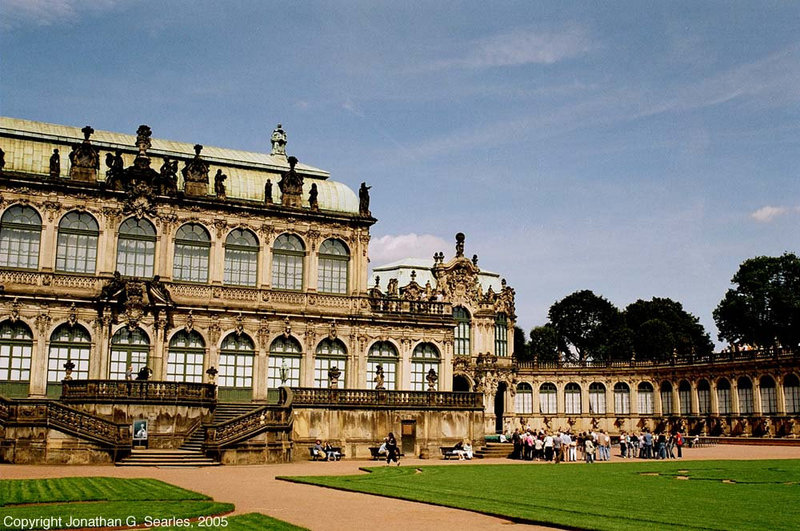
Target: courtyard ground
(255,489)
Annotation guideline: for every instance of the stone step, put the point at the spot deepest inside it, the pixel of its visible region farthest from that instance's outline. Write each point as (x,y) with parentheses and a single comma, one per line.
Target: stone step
(167,458)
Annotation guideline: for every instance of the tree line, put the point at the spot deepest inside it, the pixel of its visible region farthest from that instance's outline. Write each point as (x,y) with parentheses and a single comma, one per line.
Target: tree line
(761,310)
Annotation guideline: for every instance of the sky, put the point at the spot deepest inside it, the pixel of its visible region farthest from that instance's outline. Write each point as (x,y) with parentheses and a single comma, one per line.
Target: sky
(636,149)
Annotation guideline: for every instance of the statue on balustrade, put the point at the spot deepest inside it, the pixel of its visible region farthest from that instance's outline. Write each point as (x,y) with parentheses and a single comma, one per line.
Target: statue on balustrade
(114,174)
(268,192)
(167,181)
(379,379)
(333,377)
(219,185)
(432,378)
(313,194)
(55,164)
(84,159)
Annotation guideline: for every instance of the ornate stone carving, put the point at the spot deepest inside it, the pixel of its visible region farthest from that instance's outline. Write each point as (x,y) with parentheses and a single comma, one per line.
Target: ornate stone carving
(115,170)
(15,306)
(195,174)
(189,325)
(143,134)
(287,327)
(239,328)
(84,159)
(73,315)
(214,332)
(220,224)
(43,323)
(167,182)
(332,333)
(291,186)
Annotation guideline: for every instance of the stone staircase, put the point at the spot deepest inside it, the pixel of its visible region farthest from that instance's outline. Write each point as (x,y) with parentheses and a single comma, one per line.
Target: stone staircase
(223,412)
(166,458)
(496,450)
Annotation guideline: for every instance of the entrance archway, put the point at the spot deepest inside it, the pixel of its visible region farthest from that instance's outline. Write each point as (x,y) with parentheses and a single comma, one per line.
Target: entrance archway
(461,384)
(499,406)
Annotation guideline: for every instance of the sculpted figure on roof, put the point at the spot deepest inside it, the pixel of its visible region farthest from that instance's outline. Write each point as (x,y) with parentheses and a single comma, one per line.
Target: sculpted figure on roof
(195,174)
(278,141)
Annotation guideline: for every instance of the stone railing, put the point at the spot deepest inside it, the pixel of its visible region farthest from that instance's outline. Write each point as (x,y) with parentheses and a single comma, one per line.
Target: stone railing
(368,398)
(402,306)
(195,394)
(69,420)
(245,426)
(3,410)
(715,357)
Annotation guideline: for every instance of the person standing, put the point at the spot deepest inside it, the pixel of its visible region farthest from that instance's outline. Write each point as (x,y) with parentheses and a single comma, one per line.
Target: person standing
(392,452)
(589,450)
(548,447)
(679,443)
(129,373)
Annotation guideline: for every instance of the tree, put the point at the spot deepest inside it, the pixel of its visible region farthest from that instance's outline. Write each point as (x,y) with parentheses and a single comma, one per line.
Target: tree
(544,343)
(521,351)
(661,326)
(590,327)
(763,309)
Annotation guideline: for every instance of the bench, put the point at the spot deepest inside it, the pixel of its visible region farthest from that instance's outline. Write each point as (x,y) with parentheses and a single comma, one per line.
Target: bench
(448,452)
(316,457)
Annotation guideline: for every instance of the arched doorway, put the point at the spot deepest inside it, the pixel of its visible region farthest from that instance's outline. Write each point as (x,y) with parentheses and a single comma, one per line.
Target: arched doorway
(499,406)
(461,384)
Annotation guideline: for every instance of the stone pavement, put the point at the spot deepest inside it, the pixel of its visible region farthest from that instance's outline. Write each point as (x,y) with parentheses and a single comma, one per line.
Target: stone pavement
(255,489)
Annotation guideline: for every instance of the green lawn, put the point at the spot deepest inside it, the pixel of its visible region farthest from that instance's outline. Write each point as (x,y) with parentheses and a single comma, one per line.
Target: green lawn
(615,496)
(112,498)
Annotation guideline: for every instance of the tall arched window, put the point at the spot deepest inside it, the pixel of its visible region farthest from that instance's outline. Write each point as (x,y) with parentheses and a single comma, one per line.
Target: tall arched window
(424,358)
(185,361)
(791,394)
(547,399)
(724,396)
(330,353)
(703,397)
(644,394)
(192,248)
(523,400)
(666,398)
(745,389)
(769,398)
(333,264)
(572,399)
(20,233)
(68,342)
(241,258)
(77,243)
(461,347)
(501,335)
(597,399)
(236,366)
(136,248)
(685,397)
(128,348)
(384,354)
(287,262)
(16,349)
(285,355)
(622,398)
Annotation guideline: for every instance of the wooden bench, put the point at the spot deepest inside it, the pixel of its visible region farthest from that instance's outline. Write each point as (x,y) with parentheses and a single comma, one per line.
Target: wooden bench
(316,457)
(448,452)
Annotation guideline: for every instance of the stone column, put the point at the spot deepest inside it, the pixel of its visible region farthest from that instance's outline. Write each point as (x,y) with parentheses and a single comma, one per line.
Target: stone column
(714,398)
(260,364)
(100,353)
(735,397)
(47,253)
(560,400)
(216,262)
(695,409)
(780,395)
(158,353)
(38,383)
(757,406)
(657,411)
(584,398)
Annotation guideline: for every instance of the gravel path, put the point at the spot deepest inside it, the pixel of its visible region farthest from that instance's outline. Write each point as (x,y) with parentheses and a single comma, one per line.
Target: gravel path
(255,489)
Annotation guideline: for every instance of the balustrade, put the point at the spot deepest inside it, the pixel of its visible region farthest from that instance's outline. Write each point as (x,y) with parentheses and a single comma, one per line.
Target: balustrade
(247,425)
(311,397)
(137,390)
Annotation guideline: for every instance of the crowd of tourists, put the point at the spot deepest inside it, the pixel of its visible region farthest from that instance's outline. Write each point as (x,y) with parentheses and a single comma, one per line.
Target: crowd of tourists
(563,446)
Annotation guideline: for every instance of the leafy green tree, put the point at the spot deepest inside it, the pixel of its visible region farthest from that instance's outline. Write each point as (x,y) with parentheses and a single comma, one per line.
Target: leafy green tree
(521,350)
(589,327)
(764,308)
(544,343)
(661,326)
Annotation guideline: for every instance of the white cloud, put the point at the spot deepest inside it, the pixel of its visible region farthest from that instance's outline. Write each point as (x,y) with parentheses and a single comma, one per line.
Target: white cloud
(392,247)
(520,47)
(767,213)
(48,12)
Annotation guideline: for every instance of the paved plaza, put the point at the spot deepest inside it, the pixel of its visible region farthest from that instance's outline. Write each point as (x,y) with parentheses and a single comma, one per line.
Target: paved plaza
(255,489)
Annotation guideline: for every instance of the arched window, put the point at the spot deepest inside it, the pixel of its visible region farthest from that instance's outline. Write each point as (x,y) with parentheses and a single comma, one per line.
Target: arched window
(745,388)
(685,397)
(644,394)
(128,348)
(547,399)
(523,400)
(424,358)
(501,335)
(330,353)
(20,233)
(241,258)
(597,399)
(572,399)
(77,243)
(769,398)
(333,262)
(284,363)
(192,248)
(287,262)
(68,343)
(16,349)
(236,364)
(791,394)
(384,354)
(136,248)
(185,360)
(724,396)
(704,397)
(666,398)
(622,398)
(461,347)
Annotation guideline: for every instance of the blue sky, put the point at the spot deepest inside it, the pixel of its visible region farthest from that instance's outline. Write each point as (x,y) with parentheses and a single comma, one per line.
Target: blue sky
(636,149)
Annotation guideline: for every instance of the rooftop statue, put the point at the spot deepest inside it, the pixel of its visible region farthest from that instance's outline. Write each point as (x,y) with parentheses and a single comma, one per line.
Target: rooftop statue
(55,164)
(85,159)
(363,200)
(312,197)
(268,192)
(291,185)
(195,174)
(219,184)
(278,141)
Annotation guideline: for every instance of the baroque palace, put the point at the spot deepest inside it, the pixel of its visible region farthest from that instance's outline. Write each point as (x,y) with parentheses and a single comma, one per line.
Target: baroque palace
(224,298)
